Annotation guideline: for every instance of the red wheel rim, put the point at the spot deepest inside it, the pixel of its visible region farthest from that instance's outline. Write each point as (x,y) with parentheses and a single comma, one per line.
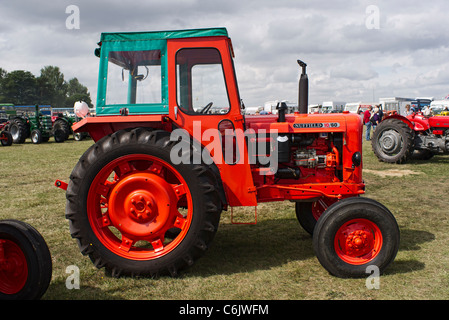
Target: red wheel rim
(358,241)
(13,267)
(133,201)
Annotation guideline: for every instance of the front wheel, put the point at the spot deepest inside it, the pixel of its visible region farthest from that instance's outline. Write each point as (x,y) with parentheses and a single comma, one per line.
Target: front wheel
(135,212)
(353,234)
(36,136)
(6,138)
(25,262)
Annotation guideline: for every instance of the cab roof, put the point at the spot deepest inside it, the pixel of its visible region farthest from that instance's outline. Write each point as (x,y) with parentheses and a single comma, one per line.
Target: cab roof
(163,35)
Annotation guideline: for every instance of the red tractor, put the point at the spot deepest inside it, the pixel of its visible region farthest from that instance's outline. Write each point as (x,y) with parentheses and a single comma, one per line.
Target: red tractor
(173,149)
(398,138)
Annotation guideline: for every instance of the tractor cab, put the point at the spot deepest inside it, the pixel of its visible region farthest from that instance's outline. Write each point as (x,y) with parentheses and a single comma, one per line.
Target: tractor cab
(136,70)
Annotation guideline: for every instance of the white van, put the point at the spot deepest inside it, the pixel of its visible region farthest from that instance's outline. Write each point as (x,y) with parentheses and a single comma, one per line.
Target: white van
(333,106)
(357,107)
(439,106)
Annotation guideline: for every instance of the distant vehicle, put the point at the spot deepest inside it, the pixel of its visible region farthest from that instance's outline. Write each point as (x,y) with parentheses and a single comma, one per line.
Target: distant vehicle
(419,103)
(333,106)
(315,108)
(395,104)
(440,107)
(357,107)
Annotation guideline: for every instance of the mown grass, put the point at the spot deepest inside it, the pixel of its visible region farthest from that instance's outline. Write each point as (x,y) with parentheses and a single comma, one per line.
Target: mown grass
(271,260)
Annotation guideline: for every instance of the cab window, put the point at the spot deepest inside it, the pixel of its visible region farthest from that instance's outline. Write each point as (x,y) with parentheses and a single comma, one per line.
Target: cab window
(201,85)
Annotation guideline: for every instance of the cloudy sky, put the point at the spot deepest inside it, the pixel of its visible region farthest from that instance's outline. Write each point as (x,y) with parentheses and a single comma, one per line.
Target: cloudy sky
(356,50)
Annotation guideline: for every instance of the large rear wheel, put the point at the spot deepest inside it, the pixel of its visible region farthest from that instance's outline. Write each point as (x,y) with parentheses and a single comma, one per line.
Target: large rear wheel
(392,141)
(61,124)
(18,131)
(135,212)
(353,234)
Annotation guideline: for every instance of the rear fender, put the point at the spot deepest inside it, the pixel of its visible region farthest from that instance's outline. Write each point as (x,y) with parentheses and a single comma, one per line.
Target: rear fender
(416,123)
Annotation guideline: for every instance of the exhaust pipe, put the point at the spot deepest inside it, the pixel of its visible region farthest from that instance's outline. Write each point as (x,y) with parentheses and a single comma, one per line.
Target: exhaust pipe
(303,98)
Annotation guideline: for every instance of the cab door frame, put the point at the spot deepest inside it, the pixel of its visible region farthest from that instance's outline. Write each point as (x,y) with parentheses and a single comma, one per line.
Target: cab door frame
(236,178)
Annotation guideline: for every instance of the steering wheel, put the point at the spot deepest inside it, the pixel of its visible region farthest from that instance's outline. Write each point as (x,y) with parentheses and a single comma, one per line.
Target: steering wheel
(207,107)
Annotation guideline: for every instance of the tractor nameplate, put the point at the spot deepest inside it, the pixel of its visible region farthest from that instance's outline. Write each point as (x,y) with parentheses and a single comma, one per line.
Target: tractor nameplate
(316,125)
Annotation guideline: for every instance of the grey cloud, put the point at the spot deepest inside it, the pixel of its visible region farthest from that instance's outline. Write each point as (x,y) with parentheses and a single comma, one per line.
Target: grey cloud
(406,55)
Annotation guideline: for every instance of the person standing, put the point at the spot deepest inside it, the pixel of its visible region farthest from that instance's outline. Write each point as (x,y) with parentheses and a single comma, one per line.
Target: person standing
(407,110)
(367,122)
(375,118)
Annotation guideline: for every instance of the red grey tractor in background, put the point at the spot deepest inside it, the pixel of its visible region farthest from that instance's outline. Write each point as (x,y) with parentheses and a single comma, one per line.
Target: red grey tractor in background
(398,139)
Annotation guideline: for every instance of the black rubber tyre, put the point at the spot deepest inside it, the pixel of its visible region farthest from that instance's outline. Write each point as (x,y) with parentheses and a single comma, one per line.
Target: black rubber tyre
(308,213)
(393,141)
(36,136)
(305,216)
(201,183)
(38,260)
(421,154)
(18,131)
(6,138)
(330,232)
(59,135)
(61,124)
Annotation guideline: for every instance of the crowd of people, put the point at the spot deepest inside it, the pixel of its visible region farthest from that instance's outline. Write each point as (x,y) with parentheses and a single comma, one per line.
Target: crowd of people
(371,118)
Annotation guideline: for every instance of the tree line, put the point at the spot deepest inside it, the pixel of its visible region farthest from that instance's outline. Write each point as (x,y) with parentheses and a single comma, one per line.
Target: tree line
(21,87)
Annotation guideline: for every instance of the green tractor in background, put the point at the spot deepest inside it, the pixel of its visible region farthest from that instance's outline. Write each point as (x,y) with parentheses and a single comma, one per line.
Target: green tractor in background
(63,119)
(34,122)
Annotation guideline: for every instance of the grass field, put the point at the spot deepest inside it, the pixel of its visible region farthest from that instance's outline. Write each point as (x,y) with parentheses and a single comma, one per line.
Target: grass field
(271,260)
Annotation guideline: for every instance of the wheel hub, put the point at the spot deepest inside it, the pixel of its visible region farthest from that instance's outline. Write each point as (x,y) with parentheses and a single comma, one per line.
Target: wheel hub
(13,267)
(390,142)
(14,132)
(141,204)
(358,241)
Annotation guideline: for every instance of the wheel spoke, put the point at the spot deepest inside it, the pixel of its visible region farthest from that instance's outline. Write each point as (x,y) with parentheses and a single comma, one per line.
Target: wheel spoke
(180,222)
(126,243)
(156,168)
(157,245)
(123,168)
(102,189)
(179,190)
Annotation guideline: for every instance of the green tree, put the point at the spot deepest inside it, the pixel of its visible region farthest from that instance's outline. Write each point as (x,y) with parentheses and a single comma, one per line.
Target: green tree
(3,74)
(77,92)
(19,87)
(23,88)
(52,88)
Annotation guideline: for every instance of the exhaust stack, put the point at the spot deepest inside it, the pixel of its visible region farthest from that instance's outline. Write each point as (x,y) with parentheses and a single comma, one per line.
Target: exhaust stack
(303,98)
